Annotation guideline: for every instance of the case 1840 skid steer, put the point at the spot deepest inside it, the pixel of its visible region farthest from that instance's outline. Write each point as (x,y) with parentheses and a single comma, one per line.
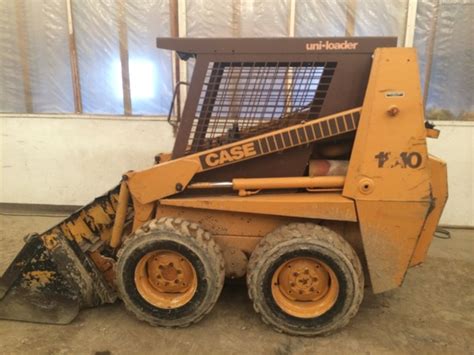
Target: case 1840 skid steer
(300,163)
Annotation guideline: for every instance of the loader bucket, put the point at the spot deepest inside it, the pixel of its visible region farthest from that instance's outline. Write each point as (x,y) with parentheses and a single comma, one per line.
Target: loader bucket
(54,274)
(32,288)
(49,281)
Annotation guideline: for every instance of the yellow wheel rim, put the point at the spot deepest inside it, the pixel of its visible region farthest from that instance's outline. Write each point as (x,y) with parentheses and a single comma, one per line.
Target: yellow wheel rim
(305,287)
(165,279)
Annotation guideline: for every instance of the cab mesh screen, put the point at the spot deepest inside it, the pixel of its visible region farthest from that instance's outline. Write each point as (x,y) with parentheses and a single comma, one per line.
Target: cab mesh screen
(241,99)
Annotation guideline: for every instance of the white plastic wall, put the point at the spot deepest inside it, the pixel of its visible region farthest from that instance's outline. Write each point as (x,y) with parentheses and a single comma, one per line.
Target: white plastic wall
(456,146)
(68,160)
(96,29)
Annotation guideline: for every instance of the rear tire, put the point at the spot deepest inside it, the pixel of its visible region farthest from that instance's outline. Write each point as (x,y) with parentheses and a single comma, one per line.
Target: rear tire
(170,272)
(305,279)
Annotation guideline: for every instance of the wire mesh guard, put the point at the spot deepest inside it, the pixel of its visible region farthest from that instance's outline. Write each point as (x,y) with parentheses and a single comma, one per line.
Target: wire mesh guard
(243,99)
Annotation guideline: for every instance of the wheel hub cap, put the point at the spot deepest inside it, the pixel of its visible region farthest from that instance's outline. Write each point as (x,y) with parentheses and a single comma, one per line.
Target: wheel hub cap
(305,287)
(166,279)
(303,280)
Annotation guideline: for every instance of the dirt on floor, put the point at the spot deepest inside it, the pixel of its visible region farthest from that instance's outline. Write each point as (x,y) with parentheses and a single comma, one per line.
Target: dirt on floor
(432,313)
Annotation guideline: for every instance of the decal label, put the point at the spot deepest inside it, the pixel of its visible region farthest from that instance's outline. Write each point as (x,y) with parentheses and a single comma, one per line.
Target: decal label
(224,156)
(391,94)
(331,46)
(411,160)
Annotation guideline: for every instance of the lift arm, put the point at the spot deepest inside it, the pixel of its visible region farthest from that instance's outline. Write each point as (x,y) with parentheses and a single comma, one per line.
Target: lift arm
(172,177)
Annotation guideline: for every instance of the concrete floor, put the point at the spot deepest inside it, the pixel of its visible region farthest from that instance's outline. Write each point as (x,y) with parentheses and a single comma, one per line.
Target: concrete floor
(432,313)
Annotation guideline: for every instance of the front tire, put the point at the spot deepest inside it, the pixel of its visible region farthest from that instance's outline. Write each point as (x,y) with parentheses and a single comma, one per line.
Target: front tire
(305,279)
(170,272)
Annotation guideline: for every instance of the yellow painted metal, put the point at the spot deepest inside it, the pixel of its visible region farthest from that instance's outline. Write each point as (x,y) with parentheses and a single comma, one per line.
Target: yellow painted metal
(432,133)
(227,223)
(392,189)
(390,231)
(439,188)
(166,279)
(120,215)
(394,81)
(324,205)
(389,180)
(105,265)
(88,227)
(162,180)
(230,229)
(288,183)
(142,213)
(305,287)
(75,230)
(171,177)
(93,220)
(102,215)
(389,174)
(163,157)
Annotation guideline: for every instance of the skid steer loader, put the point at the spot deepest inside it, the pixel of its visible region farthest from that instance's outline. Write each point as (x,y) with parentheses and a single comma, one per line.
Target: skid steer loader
(300,163)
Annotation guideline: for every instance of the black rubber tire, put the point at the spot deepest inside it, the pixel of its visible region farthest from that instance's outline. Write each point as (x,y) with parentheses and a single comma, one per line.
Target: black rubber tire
(188,239)
(310,240)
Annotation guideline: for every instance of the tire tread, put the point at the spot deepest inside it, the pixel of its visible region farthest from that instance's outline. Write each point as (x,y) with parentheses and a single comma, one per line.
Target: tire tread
(186,229)
(304,232)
